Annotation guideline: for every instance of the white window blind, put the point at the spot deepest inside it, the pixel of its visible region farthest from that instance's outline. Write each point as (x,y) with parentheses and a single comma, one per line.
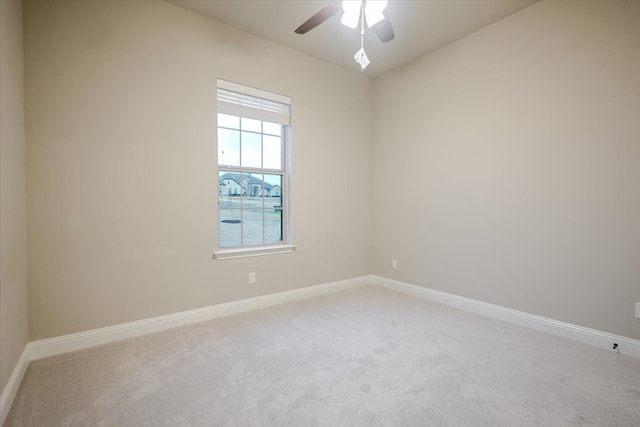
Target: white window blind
(253,103)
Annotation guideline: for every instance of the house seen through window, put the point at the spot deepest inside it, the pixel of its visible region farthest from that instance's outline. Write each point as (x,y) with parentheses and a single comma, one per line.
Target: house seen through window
(252,167)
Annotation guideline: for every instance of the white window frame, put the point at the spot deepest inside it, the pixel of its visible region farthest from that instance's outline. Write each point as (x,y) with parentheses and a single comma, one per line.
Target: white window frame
(262,105)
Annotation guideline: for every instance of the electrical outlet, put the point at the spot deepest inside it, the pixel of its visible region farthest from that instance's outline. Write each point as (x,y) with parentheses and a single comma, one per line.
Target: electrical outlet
(252,278)
(638,310)
(394,264)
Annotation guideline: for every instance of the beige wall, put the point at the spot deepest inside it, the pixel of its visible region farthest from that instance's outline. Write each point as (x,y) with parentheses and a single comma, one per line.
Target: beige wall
(13,229)
(506,164)
(120,107)
(509,165)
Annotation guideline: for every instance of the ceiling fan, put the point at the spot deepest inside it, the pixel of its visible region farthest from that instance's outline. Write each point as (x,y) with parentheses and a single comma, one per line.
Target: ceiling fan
(369,12)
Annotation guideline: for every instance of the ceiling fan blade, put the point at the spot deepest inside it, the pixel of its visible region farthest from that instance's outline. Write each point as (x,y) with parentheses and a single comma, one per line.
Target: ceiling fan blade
(384,30)
(319,18)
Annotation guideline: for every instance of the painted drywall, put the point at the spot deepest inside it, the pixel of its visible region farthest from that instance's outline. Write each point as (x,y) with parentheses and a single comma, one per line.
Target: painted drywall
(509,164)
(122,182)
(506,164)
(13,211)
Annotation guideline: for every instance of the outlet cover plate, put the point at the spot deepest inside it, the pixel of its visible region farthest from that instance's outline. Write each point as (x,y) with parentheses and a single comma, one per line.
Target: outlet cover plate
(638,310)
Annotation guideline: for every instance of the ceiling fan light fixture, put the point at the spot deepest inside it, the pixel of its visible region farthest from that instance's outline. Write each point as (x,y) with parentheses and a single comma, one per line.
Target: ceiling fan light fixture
(361,59)
(356,13)
(351,15)
(373,11)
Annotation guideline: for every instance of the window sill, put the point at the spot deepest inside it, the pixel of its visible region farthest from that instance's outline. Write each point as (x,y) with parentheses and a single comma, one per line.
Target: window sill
(249,252)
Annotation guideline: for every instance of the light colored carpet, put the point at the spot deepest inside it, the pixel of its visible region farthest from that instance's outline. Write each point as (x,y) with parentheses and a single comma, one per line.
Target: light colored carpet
(362,357)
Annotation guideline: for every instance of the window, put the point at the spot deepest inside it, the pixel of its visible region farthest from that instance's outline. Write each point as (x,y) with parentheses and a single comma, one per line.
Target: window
(253,205)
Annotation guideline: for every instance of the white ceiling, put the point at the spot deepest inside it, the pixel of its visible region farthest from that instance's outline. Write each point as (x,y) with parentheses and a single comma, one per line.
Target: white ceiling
(420,26)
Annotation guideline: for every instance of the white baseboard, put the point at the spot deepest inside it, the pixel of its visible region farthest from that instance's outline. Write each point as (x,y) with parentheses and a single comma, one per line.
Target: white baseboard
(11,389)
(81,340)
(595,338)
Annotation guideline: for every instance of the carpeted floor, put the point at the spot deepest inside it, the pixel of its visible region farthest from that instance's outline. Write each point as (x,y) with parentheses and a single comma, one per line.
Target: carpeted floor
(362,357)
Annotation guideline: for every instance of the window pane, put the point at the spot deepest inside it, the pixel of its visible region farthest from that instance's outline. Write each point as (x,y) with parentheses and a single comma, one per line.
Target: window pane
(273,191)
(230,227)
(272,152)
(261,190)
(228,147)
(253,226)
(273,225)
(252,125)
(227,121)
(229,190)
(272,128)
(252,184)
(273,208)
(251,150)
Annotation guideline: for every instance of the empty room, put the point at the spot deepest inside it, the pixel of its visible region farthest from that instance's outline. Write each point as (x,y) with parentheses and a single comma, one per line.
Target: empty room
(320,213)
